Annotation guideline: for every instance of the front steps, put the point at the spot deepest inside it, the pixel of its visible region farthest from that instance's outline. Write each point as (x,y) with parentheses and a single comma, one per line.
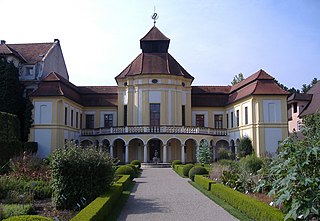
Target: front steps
(155,165)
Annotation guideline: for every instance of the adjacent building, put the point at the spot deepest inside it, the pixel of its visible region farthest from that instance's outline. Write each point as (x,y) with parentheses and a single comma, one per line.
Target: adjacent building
(35,61)
(155,108)
(300,105)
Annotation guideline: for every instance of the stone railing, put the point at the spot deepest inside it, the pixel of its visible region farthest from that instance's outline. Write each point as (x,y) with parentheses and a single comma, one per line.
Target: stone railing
(154,130)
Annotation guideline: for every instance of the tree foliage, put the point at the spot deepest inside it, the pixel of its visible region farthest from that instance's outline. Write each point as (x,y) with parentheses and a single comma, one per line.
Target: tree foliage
(11,97)
(238,78)
(297,174)
(245,147)
(204,155)
(306,87)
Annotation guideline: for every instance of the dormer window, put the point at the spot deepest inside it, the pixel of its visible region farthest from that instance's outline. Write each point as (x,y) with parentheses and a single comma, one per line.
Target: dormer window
(29,71)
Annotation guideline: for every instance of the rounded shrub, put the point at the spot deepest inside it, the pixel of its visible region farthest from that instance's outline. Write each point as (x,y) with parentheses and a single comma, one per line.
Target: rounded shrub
(176,162)
(137,163)
(134,168)
(251,163)
(197,170)
(186,169)
(28,218)
(125,170)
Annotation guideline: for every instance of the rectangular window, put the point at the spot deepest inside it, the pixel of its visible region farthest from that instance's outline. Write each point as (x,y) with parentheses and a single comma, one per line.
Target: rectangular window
(29,71)
(71,118)
(80,121)
(227,120)
(272,112)
(183,115)
(295,107)
(77,119)
(246,118)
(231,115)
(154,114)
(200,120)
(218,121)
(125,113)
(108,120)
(237,117)
(89,121)
(65,116)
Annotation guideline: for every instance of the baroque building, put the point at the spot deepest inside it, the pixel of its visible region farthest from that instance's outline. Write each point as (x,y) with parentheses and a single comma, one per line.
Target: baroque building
(155,108)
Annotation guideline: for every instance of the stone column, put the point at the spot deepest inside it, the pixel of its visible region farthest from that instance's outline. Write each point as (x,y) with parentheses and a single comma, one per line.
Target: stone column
(164,153)
(127,153)
(197,151)
(183,157)
(145,153)
(111,150)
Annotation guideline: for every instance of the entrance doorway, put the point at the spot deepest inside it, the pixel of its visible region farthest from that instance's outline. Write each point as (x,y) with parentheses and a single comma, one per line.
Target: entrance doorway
(154,149)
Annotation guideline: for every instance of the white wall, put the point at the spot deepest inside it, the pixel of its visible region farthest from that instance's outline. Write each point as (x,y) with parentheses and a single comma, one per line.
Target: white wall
(272,137)
(272,111)
(43,137)
(43,112)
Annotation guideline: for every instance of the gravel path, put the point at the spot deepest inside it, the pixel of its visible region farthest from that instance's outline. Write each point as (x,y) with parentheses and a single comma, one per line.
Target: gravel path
(160,194)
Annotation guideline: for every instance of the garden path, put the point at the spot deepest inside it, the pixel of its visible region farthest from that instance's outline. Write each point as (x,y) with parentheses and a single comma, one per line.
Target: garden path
(160,194)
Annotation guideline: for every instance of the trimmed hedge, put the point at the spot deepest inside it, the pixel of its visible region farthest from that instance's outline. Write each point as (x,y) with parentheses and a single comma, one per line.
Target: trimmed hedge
(176,162)
(186,169)
(137,163)
(255,209)
(28,218)
(197,170)
(100,208)
(17,210)
(125,181)
(135,169)
(203,181)
(125,170)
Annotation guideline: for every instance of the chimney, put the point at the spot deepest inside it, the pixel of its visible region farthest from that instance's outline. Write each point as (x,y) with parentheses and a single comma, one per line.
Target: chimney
(3,42)
(56,40)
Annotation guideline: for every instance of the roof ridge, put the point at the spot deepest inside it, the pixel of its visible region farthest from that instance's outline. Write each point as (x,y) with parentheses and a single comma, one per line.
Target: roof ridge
(34,43)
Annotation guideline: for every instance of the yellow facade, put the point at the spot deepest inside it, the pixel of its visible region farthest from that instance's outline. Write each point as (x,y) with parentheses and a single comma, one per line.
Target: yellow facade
(159,115)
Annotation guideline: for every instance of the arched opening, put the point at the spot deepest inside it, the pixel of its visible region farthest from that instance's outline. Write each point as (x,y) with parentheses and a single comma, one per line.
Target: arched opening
(136,149)
(155,150)
(173,150)
(105,145)
(237,146)
(86,143)
(232,147)
(191,150)
(119,150)
(96,144)
(222,148)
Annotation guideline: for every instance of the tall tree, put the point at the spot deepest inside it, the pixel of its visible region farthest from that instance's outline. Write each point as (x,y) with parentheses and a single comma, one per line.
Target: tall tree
(11,97)
(238,78)
(204,155)
(306,87)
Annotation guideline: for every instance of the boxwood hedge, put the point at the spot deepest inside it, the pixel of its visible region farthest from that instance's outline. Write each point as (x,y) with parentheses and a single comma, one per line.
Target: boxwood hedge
(251,207)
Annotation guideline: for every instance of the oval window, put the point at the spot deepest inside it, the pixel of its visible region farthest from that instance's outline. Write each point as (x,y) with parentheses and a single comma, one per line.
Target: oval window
(183,84)
(154,81)
(125,84)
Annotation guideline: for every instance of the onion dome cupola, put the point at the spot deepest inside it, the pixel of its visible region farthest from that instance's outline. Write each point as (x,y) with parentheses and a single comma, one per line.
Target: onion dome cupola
(154,59)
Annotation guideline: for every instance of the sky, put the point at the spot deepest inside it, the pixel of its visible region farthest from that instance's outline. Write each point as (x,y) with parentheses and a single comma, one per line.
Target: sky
(213,40)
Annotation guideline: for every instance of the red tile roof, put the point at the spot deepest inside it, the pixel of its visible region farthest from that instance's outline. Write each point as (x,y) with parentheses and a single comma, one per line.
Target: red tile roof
(30,53)
(56,85)
(154,63)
